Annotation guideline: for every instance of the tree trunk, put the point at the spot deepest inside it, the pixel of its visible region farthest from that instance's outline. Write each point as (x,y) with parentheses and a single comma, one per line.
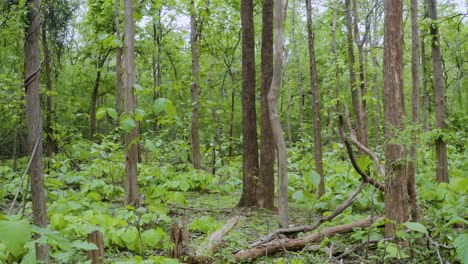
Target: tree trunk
(375,87)
(283,213)
(396,208)
(296,57)
(250,166)
(194,36)
(414,108)
(131,147)
(439,91)
(352,75)
(315,102)
(156,64)
(49,142)
(118,65)
(362,78)
(426,101)
(94,98)
(266,186)
(231,116)
(32,68)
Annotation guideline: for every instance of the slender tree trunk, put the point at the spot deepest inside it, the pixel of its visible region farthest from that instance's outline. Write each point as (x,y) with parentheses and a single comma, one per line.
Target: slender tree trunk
(15,149)
(94,98)
(131,147)
(362,77)
(297,59)
(414,108)
(315,101)
(283,213)
(335,55)
(266,186)
(32,68)
(49,142)
(426,101)
(375,87)
(249,117)
(352,75)
(194,37)
(231,116)
(396,208)
(118,65)
(156,63)
(439,91)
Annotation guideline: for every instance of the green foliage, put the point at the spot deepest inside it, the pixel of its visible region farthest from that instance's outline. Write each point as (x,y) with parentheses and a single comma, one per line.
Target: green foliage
(205,225)
(15,233)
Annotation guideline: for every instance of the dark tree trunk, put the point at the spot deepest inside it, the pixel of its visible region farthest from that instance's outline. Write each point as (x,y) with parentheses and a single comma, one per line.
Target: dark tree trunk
(266,191)
(194,37)
(231,116)
(250,166)
(439,91)
(297,59)
(315,101)
(426,101)
(414,108)
(94,98)
(396,208)
(131,148)
(32,68)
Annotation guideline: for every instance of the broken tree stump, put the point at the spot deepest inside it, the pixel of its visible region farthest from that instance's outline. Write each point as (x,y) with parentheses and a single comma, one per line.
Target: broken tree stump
(96,255)
(180,239)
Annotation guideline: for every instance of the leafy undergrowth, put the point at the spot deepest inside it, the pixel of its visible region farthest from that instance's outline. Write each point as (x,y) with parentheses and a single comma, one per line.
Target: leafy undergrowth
(85,193)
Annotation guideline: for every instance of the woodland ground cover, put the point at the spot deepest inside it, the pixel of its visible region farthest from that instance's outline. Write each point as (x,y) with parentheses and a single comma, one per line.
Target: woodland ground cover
(81,199)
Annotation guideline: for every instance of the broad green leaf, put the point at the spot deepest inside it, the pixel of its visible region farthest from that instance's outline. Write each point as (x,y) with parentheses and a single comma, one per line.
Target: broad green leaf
(100,113)
(170,109)
(126,122)
(149,145)
(139,114)
(83,245)
(152,238)
(112,113)
(130,235)
(159,104)
(14,235)
(312,178)
(416,227)
(461,244)
(298,195)
(137,87)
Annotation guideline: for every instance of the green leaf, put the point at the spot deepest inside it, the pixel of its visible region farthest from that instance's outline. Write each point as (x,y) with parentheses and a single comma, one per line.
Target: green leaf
(149,145)
(130,235)
(139,114)
(137,87)
(170,109)
(126,122)
(112,113)
(461,244)
(416,227)
(312,179)
(159,105)
(83,245)
(14,235)
(298,195)
(100,113)
(153,237)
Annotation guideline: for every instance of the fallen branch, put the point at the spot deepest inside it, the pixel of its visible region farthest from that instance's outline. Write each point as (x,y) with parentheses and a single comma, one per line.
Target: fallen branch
(299,243)
(312,227)
(364,176)
(212,243)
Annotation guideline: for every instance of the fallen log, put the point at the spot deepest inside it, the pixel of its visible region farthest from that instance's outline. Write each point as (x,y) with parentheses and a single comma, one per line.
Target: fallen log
(299,243)
(308,228)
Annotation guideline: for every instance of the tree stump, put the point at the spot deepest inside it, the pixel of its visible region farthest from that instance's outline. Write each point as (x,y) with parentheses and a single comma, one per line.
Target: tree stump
(96,255)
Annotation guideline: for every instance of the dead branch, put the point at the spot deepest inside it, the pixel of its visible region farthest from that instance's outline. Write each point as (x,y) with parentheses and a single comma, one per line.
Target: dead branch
(312,227)
(358,144)
(364,176)
(299,243)
(212,243)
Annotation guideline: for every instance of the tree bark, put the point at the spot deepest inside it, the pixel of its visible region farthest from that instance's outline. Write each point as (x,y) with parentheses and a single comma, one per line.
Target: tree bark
(266,185)
(426,101)
(118,65)
(283,213)
(375,87)
(396,208)
(32,68)
(194,37)
(352,75)
(439,91)
(362,77)
(250,165)
(414,108)
(315,102)
(49,148)
(131,146)
(297,59)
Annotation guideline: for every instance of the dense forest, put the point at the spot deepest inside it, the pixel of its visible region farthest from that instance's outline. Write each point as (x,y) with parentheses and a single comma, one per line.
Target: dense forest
(209,131)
